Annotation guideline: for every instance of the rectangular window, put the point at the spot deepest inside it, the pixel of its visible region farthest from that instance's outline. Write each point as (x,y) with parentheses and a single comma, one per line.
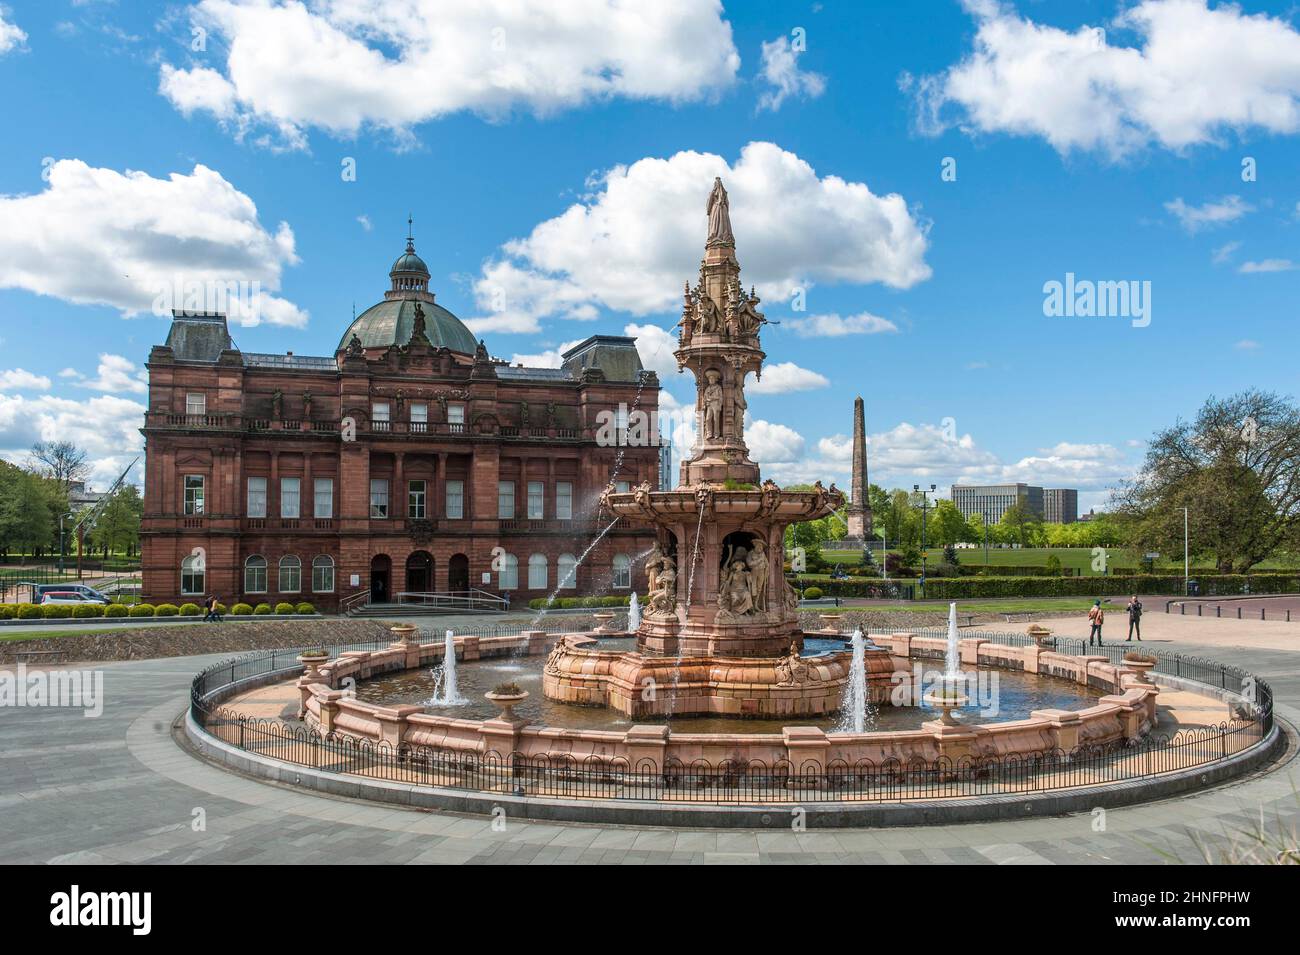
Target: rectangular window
(322,575)
(415,499)
(379,411)
(536,508)
(378,497)
(564,500)
(455,414)
(505,500)
(455,499)
(289,488)
(323,501)
(257,497)
(419,416)
(623,487)
(194,494)
(196,403)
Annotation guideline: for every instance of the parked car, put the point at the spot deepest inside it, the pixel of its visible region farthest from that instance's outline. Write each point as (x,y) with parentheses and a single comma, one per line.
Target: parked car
(91,593)
(73,597)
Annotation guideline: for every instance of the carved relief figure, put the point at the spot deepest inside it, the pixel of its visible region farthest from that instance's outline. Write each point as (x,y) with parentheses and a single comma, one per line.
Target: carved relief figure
(758,564)
(306,404)
(738,409)
(711,405)
(277,404)
(719,210)
(652,563)
(664,599)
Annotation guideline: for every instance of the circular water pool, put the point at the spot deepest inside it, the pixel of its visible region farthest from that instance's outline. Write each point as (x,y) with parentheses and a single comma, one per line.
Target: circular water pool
(1003,695)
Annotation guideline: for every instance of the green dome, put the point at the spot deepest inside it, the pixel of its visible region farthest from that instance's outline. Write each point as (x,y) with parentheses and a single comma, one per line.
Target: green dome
(390,323)
(408,261)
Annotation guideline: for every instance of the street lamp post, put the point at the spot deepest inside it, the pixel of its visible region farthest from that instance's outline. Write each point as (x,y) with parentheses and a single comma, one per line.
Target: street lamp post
(925,504)
(985,522)
(884,555)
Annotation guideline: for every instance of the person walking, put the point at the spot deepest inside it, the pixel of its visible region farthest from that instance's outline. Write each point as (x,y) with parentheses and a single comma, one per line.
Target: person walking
(1134,618)
(1096,616)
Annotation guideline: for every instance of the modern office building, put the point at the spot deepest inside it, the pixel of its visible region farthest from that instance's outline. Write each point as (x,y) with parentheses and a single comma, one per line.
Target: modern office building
(993,500)
(1060,505)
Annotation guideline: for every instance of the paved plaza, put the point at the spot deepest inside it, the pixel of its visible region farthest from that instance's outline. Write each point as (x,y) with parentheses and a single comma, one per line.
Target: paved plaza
(119,788)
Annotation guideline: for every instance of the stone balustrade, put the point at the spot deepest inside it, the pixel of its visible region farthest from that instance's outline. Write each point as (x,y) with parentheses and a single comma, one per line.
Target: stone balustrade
(1127,712)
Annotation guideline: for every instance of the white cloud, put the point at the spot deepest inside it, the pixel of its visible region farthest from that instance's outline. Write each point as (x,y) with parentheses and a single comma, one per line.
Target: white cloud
(551,358)
(1210,214)
(135,243)
(655,346)
(638,236)
(365,222)
(782,74)
(770,443)
(18,379)
(116,373)
(344,66)
(835,326)
(1246,344)
(1194,74)
(786,376)
(11,37)
(105,426)
(1267,265)
(1225,252)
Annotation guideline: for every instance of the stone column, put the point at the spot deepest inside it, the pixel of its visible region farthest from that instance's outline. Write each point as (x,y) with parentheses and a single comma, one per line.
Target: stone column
(647,747)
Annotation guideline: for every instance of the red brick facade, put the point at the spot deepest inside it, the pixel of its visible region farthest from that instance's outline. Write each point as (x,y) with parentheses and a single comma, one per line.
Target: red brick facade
(270,418)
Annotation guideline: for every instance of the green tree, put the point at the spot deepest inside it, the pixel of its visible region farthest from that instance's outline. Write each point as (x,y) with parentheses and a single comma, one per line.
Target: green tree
(946,524)
(26,519)
(1235,468)
(118,526)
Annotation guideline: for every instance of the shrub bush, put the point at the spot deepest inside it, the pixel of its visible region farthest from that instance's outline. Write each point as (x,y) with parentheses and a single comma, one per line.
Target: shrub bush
(82,611)
(166,610)
(262,609)
(305,608)
(812,593)
(29,612)
(242,610)
(142,610)
(7,611)
(221,608)
(116,610)
(56,611)
(189,610)
(284,607)
(574,603)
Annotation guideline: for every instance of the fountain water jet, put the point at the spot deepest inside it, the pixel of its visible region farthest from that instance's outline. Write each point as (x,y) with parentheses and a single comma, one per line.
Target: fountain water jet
(445,692)
(853,706)
(633,613)
(947,695)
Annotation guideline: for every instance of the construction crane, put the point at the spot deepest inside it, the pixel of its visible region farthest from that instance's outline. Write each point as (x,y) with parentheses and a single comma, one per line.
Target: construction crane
(89,515)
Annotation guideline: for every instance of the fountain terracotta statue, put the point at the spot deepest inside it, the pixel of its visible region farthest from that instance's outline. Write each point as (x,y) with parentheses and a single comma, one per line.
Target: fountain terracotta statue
(720,633)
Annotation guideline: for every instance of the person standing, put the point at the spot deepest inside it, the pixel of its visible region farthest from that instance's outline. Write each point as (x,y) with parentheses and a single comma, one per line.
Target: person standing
(1134,618)
(1096,616)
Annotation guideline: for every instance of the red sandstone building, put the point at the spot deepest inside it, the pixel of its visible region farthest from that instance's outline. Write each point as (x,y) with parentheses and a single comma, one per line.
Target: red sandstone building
(409,461)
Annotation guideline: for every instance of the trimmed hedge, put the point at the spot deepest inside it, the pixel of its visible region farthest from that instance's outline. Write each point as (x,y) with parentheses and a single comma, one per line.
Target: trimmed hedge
(262,609)
(7,611)
(29,612)
(88,610)
(142,610)
(116,610)
(812,593)
(1212,585)
(166,610)
(304,608)
(284,607)
(190,610)
(576,603)
(56,611)
(242,609)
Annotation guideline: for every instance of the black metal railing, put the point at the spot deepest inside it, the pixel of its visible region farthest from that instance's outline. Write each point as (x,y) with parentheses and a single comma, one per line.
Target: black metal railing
(731,781)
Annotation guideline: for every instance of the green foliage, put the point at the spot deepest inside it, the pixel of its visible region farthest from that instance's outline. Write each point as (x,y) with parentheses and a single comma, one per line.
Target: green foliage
(1053,565)
(142,610)
(166,610)
(116,610)
(1114,586)
(305,608)
(30,612)
(88,610)
(188,610)
(577,603)
(118,525)
(812,593)
(284,607)
(262,609)
(242,610)
(56,611)
(7,611)
(27,517)
(220,608)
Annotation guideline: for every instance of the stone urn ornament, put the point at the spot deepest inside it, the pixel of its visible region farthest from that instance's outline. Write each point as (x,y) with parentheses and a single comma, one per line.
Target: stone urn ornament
(1141,665)
(1042,635)
(507,696)
(312,661)
(603,621)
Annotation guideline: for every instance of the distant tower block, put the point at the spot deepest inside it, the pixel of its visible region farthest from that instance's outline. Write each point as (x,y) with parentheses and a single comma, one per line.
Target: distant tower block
(859,510)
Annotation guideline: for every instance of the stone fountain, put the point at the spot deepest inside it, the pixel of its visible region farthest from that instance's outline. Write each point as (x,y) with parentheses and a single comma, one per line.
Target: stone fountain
(720,631)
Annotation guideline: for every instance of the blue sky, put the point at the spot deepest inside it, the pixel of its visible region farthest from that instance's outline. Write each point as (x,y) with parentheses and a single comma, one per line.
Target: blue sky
(552,165)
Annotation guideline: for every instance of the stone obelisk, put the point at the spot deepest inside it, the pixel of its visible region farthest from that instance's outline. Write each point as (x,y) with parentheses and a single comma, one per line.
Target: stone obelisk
(859,509)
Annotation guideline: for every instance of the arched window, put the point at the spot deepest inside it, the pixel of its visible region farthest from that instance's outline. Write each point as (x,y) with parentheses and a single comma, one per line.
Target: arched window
(566,572)
(290,574)
(508,575)
(537,572)
(622,572)
(322,574)
(255,575)
(192,576)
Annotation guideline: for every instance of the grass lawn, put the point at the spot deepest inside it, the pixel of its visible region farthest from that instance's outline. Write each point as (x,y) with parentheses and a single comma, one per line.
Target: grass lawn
(1016,605)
